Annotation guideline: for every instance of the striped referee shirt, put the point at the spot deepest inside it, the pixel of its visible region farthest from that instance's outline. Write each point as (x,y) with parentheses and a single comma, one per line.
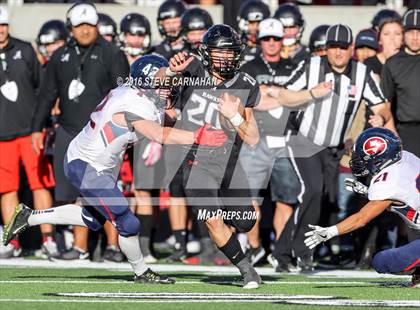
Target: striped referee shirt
(326,121)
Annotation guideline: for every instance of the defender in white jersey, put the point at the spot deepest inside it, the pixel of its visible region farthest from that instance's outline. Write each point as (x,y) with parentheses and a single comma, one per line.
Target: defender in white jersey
(93,160)
(394,186)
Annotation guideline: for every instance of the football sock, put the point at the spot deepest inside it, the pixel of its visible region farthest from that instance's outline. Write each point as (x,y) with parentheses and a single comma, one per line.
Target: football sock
(69,214)
(131,249)
(232,249)
(181,238)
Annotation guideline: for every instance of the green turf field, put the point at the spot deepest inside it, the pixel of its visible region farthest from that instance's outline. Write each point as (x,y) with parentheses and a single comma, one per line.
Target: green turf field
(47,285)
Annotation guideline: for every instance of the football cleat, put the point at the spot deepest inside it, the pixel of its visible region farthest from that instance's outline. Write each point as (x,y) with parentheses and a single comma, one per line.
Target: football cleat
(113,254)
(151,277)
(75,254)
(255,254)
(252,279)
(17,224)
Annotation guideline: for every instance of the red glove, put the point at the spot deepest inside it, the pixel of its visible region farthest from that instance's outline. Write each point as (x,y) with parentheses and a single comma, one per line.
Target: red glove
(205,136)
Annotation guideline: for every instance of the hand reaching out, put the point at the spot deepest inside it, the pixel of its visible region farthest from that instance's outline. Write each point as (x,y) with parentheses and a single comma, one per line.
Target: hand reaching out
(180,61)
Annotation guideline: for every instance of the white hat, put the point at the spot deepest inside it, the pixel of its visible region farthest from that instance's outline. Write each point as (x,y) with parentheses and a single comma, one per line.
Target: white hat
(83,14)
(4,15)
(270,27)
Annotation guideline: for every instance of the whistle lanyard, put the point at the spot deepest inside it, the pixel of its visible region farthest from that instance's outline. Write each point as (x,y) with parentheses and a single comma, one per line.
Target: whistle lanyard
(81,65)
(270,70)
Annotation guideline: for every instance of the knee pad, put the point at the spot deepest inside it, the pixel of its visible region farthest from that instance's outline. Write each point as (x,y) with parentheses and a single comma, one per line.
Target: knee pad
(381,262)
(127,224)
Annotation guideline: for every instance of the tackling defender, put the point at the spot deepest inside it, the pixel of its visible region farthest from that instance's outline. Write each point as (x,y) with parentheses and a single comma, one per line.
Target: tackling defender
(394,186)
(127,115)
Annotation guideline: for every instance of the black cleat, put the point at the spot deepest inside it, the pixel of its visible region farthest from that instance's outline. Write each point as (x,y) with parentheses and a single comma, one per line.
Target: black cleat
(177,256)
(17,224)
(255,254)
(151,277)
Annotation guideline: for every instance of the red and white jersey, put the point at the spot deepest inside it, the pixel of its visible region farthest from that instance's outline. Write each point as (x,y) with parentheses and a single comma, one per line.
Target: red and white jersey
(102,143)
(400,182)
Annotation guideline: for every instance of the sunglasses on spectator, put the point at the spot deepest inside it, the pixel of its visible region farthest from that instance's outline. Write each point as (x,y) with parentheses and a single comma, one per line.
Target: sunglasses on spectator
(266,39)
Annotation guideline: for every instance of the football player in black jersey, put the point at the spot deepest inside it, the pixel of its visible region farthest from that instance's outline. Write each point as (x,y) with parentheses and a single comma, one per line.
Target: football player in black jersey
(107,28)
(135,36)
(52,35)
(169,25)
(271,72)
(249,16)
(194,23)
(318,41)
(294,24)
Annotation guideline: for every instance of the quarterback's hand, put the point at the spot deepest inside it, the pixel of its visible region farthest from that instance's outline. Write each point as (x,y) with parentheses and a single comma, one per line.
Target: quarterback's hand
(152,153)
(205,136)
(228,105)
(319,234)
(321,90)
(180,61)
(355,186)
(37,142)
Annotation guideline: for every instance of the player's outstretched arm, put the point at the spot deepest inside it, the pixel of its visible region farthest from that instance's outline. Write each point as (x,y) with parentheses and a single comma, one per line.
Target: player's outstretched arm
(319,234)
(290,98)
(168,135)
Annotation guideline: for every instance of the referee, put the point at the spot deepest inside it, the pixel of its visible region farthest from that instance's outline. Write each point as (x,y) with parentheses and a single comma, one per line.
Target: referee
(322,126)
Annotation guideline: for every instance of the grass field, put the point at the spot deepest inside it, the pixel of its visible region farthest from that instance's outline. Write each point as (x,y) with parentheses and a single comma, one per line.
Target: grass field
(35,284)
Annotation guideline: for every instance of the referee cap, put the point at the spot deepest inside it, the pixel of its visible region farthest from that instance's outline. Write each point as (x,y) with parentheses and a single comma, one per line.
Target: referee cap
(340,35)
(4,16)
(411,19)
(270,27)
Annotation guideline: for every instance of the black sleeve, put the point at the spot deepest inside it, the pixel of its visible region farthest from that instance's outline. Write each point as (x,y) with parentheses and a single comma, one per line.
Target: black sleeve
(253,97)
(46,98)
(193,69)
(387,83)
(120,68)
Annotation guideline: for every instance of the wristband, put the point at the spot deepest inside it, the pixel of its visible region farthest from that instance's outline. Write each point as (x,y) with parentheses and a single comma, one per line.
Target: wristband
(237,120)
(169,72)
(312,95)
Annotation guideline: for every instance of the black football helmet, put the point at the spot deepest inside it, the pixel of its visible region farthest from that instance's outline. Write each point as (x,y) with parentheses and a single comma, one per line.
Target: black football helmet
(170,9)
(51,32)
(107,26)
(222,37)
(289,15)
(194,19)
(382,16)
(251,11)
(318,38)
(135,24)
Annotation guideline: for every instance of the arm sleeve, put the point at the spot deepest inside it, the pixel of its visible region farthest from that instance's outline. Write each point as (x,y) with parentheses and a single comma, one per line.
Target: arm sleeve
(253,97)
(46,98)
(387,83)
(372,92)
(120,68)
(298,79)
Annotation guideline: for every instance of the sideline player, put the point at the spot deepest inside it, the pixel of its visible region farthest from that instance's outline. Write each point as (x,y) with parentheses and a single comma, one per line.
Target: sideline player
(394,186)
(127,115)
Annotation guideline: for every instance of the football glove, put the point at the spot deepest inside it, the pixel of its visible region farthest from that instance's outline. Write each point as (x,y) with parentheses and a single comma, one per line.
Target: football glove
(355,186)
(152,153)
(209,137)
(319,234)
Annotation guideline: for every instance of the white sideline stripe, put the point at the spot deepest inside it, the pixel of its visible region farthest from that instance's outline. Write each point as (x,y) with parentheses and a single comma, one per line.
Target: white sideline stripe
(180,282)
(216,270)
(363,303)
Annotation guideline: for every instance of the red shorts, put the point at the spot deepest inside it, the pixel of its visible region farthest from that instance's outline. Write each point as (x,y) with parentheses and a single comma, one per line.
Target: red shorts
(38,168)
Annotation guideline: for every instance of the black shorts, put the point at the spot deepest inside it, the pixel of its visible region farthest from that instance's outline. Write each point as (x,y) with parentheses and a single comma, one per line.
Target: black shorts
(64,190)
(215,182)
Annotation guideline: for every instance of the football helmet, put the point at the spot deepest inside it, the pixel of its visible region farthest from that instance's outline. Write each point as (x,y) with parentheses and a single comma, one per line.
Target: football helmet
(318,38)
(251,11)
(135,24)
(142,73)
(382,16)
(107,26)
(290,16)
(51,32)
(375,149)
(170,9)
(194,19)
(219,39)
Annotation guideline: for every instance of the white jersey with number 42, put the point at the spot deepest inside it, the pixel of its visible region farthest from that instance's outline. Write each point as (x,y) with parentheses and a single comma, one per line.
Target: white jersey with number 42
(102,143)
(400,182)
